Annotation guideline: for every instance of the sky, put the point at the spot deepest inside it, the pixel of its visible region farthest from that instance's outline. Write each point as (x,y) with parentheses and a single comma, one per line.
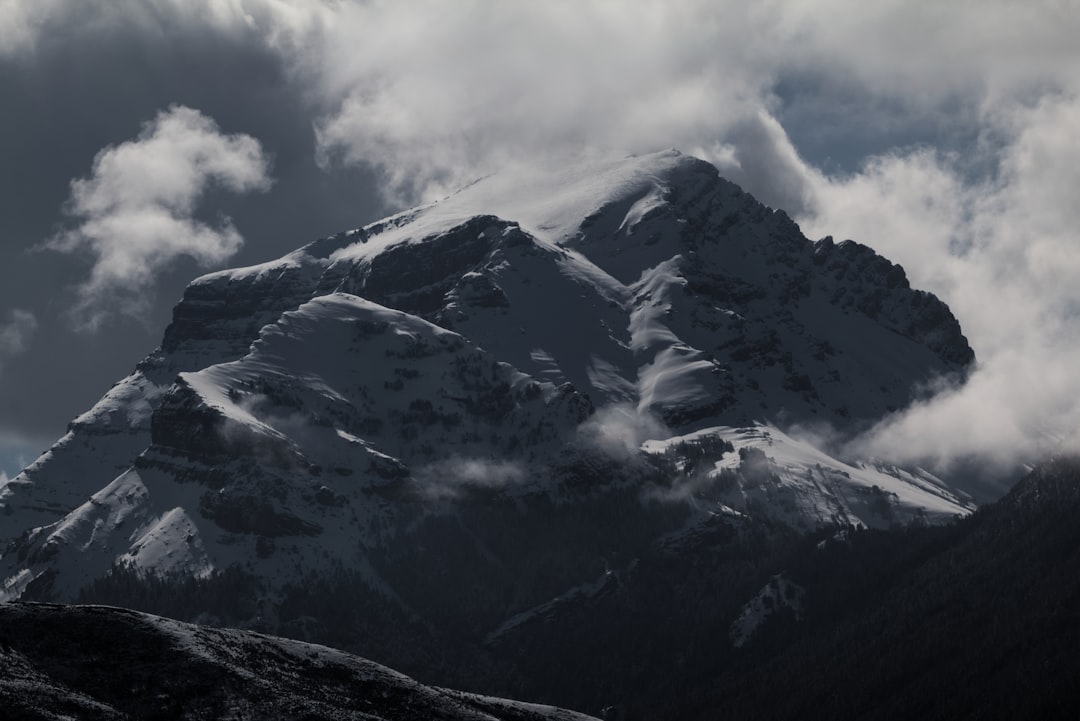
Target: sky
(145,142)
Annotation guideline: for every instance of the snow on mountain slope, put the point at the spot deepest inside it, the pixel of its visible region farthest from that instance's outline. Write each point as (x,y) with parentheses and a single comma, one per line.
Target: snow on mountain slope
(332,407)
(302,441)
(761,470)
(218,319)
(55,668)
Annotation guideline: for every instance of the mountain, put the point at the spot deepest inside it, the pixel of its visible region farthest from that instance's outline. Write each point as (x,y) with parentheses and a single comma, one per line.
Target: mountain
(418,438)
(975,620)
(97,662)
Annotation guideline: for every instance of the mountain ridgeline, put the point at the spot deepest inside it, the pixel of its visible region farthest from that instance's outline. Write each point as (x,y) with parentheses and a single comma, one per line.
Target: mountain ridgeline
(434,439)
(60,662)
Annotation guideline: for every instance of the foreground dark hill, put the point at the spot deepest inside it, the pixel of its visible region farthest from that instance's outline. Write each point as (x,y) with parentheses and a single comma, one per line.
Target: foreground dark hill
(97,662)
(980,620)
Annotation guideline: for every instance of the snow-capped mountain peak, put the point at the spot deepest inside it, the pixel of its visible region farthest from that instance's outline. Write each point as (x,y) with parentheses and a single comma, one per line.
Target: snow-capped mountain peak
(545,340)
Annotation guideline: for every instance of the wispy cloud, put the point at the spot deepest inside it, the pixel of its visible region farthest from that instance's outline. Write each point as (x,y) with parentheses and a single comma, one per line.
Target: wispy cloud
(15,334)
(441,93)
(135,213)
(1000,246)
(618,430)
(452,477)
(21,22)
(16,453)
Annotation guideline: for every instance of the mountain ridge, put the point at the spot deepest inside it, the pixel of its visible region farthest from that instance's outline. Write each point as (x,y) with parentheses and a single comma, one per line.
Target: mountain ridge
(524,338)
(972,620)
(57,664)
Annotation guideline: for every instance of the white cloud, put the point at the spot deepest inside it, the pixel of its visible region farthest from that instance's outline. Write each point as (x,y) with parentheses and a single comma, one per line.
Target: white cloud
(452,476)
(135,211)
(758,154)
(20,23)
(16,333)
(1001,248)
(437,93)
(618,430)
(434,93)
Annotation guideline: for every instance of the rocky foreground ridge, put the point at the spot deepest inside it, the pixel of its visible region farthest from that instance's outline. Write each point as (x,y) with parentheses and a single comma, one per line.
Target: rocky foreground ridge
(98,663)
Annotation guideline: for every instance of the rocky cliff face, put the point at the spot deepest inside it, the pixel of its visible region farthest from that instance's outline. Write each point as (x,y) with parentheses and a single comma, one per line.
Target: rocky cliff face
(605,355)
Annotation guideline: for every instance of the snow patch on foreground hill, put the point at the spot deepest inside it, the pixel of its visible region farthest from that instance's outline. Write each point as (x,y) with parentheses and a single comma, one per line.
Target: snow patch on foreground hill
(771,474)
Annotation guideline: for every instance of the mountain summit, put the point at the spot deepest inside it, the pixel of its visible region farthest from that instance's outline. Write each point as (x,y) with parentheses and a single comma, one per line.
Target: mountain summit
(548,371)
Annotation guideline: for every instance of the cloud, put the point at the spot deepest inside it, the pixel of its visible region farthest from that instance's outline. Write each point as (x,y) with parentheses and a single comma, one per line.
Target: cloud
(20,23)
(439,93)
(923,55)
(618,430)
(280,24)
(758,153)
(16,453)
(135,212)
(433,94)
(1000,247)
(451,477)
(16,333)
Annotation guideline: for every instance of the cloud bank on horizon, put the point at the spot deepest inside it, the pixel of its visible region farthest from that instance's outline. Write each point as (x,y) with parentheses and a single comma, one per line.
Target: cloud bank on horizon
(943,137)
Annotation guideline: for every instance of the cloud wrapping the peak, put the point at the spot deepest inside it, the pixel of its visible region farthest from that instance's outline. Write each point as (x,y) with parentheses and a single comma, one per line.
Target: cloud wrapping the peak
(435,94)
(986,220)
(1002,249)
(135,213)
(438,93)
